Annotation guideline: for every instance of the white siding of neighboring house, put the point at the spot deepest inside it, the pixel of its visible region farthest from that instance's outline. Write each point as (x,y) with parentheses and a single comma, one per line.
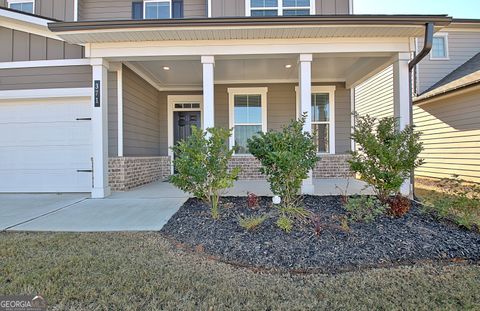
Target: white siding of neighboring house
(462,45)
(451,136)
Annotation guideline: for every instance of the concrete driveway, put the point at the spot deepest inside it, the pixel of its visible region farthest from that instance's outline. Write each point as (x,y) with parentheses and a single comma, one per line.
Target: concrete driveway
(146,208)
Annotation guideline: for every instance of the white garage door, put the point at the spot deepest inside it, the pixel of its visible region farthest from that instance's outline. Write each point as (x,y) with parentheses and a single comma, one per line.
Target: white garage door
(44,147)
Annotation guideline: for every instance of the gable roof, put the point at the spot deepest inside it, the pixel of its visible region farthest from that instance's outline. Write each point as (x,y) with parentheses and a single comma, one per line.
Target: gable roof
(26,22)
(466,75)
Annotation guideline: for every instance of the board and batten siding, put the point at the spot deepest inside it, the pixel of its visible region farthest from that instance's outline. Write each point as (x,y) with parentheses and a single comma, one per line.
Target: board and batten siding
(57,9)
(141,116)
(22,46)
(374,97)
(451,136)
(45,78)
(462,45)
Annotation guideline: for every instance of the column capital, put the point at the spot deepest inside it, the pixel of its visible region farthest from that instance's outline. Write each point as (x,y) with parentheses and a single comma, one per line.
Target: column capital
(99,62)
(208,59)
(305,58)
(402,57)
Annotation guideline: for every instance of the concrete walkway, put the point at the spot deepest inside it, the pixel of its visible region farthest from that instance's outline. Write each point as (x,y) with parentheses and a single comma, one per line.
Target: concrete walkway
(146,208)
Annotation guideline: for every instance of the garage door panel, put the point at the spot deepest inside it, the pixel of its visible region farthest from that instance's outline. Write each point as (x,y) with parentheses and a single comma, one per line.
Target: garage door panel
(55,157)
(51,110)
(44,145)
(45,181)
(46,134)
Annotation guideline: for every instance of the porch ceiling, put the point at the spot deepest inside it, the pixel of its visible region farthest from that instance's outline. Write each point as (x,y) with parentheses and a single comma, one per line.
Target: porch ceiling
(187,73)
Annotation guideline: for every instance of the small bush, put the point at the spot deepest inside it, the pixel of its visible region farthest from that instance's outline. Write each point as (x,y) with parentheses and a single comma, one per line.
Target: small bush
(386,156)
(286,158)
(460,202)
(398,205)
(252,201)
(285,223)
(364,208)
(251,223)
(201,162)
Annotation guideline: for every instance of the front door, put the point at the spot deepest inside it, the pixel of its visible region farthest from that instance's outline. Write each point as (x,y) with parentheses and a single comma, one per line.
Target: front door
(183,122)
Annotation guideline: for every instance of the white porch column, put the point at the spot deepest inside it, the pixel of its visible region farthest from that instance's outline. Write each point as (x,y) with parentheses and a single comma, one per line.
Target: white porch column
(401,101)
(208,63)
(305,90)
(100,128)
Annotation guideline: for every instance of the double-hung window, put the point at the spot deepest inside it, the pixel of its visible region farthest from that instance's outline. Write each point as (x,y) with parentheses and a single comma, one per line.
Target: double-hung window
(322,117)
(247,115)
(155,9)
(22,5)
(439,47)
(279,7)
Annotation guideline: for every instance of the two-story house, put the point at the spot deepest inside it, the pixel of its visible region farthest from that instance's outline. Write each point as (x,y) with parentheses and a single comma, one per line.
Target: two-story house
(446,102)
(94,93)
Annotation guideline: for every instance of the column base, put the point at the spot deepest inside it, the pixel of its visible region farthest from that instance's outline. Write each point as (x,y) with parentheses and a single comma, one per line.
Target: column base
(100,193)
(406,189)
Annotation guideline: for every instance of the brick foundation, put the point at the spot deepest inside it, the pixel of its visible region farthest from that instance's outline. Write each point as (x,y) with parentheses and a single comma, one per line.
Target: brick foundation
(328,166)
(333,166)
(129,172)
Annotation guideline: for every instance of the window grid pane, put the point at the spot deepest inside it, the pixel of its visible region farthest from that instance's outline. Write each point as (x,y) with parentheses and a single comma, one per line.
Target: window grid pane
(263,3)
(248,109)
(296,3)
(438,49)
(296,12)
(321,136)
(264,13)
(320,107)
(156,10)
(26,7)
(242,134)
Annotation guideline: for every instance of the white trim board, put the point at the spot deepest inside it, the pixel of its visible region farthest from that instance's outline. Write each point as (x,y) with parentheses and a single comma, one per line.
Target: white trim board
(45,93)
(45,63)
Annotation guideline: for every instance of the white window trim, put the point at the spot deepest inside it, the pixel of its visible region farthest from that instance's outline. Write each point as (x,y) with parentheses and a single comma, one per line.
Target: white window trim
(176,99)
(22,1)
(445,40)
(262,91)
(330,89)
(279,8)
(154,1)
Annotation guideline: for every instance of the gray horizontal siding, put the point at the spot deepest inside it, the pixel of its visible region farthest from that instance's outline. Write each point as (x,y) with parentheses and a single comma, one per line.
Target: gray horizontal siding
(332,7)
(451,137)
(105,9)
(112,115)
(461,46)
(141,116)
(22,46)
(374,97)
(46,78)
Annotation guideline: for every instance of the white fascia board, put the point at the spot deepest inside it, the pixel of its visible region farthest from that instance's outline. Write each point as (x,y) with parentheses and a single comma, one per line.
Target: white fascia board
(45,63)
(45,93)
(26,23)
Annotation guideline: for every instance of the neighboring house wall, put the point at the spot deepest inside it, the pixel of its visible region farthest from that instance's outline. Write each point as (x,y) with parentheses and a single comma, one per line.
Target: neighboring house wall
(22,46)
(375,96)
(462,45)
(141,118)
(451,136)
(57,9)
(46,78)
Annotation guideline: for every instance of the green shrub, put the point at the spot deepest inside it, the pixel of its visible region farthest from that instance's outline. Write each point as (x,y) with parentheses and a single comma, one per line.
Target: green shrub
(386,156)
(201,162)
(285,223)
(460,202)
(252,222)
(286,158)
(364,208)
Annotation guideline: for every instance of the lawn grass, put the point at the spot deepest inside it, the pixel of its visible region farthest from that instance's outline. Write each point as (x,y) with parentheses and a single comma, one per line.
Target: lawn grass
(141,271)
(463,211)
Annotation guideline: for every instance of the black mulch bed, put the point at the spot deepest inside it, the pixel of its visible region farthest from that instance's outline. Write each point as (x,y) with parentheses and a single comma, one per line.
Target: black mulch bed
(387,241)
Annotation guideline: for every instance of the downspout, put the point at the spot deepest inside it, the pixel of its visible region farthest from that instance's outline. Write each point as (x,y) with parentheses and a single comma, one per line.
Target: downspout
(427,47)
